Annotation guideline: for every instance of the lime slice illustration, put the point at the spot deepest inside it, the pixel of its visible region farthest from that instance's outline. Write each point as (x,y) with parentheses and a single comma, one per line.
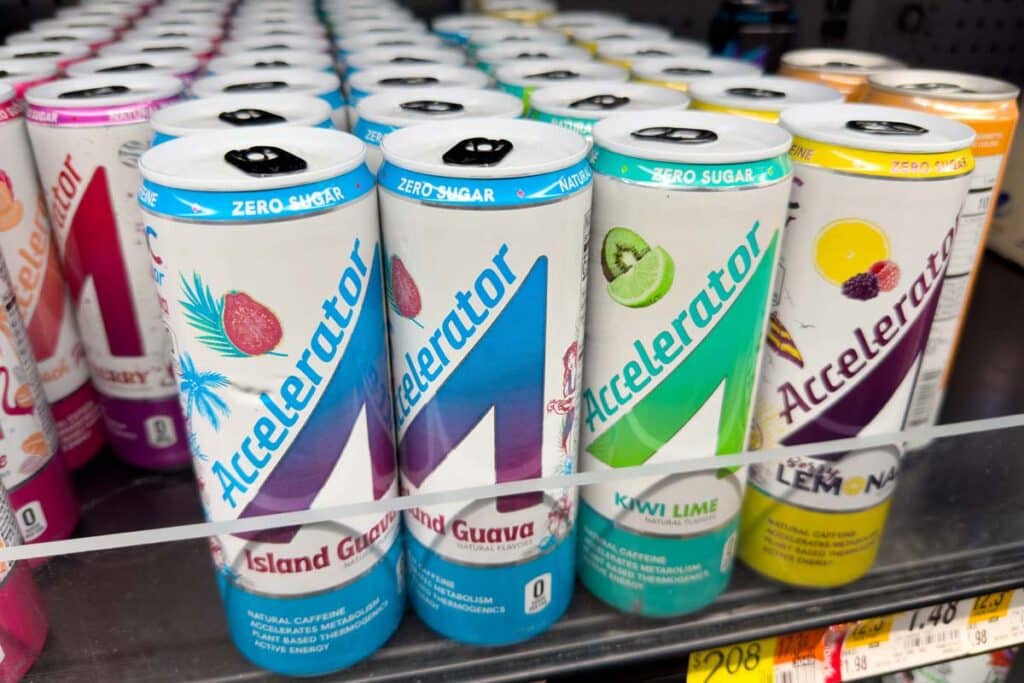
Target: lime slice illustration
(646,282)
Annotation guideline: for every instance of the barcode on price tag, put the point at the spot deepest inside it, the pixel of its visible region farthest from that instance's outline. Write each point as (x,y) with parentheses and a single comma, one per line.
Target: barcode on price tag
(799,657)
(741,663)
(996,621)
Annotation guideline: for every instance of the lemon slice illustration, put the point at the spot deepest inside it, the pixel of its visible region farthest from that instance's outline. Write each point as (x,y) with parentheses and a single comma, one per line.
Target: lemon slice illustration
(849,247)
(646,282)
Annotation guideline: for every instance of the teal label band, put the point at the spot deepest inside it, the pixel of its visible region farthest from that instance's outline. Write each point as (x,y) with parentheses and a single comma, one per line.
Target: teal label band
(584,127)
(371,133)
(668,174)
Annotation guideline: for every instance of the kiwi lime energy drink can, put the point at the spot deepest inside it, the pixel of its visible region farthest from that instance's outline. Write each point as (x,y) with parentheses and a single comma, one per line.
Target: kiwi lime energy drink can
(845,70)
(522,78)
(989,106)
(675,319)
(386,112)
(872,221)
(679,72)
(283,373)
(87,134)
(229,112)
(493,215)
(760,97)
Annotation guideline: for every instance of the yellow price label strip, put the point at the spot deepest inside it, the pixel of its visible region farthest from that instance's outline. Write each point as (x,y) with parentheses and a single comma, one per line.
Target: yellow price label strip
(751,662)
(991,606)
(869,632)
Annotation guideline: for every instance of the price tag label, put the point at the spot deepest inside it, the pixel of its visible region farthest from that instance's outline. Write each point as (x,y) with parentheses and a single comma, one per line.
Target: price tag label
(996,621)
(751,662)
(864,653)
(800,657)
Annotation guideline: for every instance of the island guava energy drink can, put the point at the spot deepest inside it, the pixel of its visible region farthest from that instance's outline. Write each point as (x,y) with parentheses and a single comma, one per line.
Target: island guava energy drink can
(41,294)
(489,59)
(271,59)
(989,106)
(31,471)
(87,134)
(496,570)
(182,66)
(386,112)
(758,97)
(231,112)
(845,70)
(522,78)
(627,53)
(872,219)
(455,28)
(678,73)
(24,627)
(674,329)
(404,76)
(578,106)
(307,338)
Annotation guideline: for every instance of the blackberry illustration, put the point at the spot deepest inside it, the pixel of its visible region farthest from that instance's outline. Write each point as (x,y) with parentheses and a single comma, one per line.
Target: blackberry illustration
(862,286)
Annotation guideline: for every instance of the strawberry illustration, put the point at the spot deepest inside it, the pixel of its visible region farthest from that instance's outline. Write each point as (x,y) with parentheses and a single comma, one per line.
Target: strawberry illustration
(405,295)
(249,325)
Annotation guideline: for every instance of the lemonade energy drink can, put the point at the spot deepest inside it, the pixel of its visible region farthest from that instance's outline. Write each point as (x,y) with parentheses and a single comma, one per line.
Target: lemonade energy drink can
(872,219)
(679,72)
(760,97)
(675,321)
(492,214)
(845,70)
(283,377)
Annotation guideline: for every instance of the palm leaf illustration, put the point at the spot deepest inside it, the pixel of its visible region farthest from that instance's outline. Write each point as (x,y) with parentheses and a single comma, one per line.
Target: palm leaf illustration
(198,388)
(205,313)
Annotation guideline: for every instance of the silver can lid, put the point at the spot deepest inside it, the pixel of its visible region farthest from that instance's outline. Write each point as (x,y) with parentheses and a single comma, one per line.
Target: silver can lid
(101,22)
(376,27)
(277,30)
(270,84)
(160,32)
(943,85)
(357,43)
(638,50)
(875,128)
(55,52)
(558,71)
(270,59)
(513,148)
(839,61)
(88,36)
(602,99)
(231,112)
(100,91)
(464,24)
(574,20)
(382,78)
(685,70)
(691,137)
(595,34)
(516,34)
(529,52)
(183,46)
(404,56)
(761,93)
(410,106)
(274,43)
(17,71)
(155,63)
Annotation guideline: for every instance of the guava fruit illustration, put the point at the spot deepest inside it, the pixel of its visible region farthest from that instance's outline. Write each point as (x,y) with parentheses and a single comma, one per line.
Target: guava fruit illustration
(252,327)
(621,250)
(403,294)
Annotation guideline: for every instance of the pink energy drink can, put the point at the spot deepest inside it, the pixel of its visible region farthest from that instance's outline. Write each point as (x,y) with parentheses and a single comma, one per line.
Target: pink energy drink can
(87,134)
(31,258)
(41,493)
(23,621)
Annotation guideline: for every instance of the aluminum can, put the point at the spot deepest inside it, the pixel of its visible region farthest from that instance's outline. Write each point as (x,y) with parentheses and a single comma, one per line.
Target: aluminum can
(590,37)
(60,54)
(522,78)
(182,66)
(845,70)
(760,97)
(270,59)
(326,86)
(679,72)
(490,58)
(455,28)
(628,53)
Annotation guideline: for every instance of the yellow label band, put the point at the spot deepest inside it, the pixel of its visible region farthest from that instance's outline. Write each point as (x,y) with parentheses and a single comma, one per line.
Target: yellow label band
(761,115)
(991,606)
(674,85)
(881,164)
(869,632)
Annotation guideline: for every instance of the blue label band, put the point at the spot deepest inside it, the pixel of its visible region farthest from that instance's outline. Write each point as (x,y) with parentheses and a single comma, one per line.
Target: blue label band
(354,95)
(241,207)
(475,192)
(452,37)
(333,98)
(160,138)
(371,133)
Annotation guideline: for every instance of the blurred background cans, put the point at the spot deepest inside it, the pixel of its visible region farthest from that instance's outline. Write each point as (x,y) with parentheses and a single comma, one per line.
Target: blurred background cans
(754,31)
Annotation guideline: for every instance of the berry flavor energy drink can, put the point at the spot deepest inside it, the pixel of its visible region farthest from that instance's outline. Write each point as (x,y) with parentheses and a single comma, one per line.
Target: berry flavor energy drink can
(989,106)
(230,112)
(845,70)
(21,609)
(31,257)
(760,97)
(873,214)
(283,370)
(675,322)
(507,205)
(87,134)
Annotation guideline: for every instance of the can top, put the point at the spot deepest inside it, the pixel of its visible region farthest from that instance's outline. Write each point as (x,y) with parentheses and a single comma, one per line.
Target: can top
(839,61)
(174,64)
(484,148)
(577,19)
(595,34)
(158,31)
(357,43)
(691,69)
(529,52)
(272,16)
(558,71)
(26,70)
(101,22)
(188,46)
(761,93)
(270,59)
(92,9)
(602,99)
(89,36)
(378,78)
(943,85)
(618,48)
(273,43)
(410,106)
(279,81)
(99,91)
(691,137)
(464,24)
(246,160)
(293,27)
(374,27)
(229,112)
(56,52)
(404,56)
(875,128)
(515,34)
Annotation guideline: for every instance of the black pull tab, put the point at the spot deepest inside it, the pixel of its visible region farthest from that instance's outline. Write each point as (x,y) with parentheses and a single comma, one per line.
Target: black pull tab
(382,29)
(395,43)
(87,93)
(515,39)
(276,63)
(275,21)
(651,52)
(431,106)
(601,102)
(172,34)
(756,93)
(281,32)
(841,65)
(477,152)
(533,55)
(409,80)
(264,160)
(555,75)
(164,48)
(37,55)
(59,39)
(410,60)
(272,46)
(685,71)
(615,36)
(935,87)
(250,117)
(680,136)
(134,66)
(886,127)
(255,86)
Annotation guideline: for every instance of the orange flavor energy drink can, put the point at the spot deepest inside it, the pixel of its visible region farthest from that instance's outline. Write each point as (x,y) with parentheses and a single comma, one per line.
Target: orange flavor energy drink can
(845,70)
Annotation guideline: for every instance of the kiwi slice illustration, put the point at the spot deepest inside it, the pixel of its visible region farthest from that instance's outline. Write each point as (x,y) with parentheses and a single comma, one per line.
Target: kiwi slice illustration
(622,249)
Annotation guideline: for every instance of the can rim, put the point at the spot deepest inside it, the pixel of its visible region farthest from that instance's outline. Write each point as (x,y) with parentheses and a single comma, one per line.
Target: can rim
(352,44)
(7,94)
(174,64)
(995,89)
(796,92)
(617,48)
(25,70)
(455,23)
(367,80)
(628,31)
(258,43)
(152,32)
(496,36)
(194,45)
(378,56)
(794,58)
(379,26)
(67,50)
(245,60)
(174,119)
(313,81)
(141,89)
(517,73)
(498,54)
(653,68)
(384,108)
(82,35)
(556,100)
